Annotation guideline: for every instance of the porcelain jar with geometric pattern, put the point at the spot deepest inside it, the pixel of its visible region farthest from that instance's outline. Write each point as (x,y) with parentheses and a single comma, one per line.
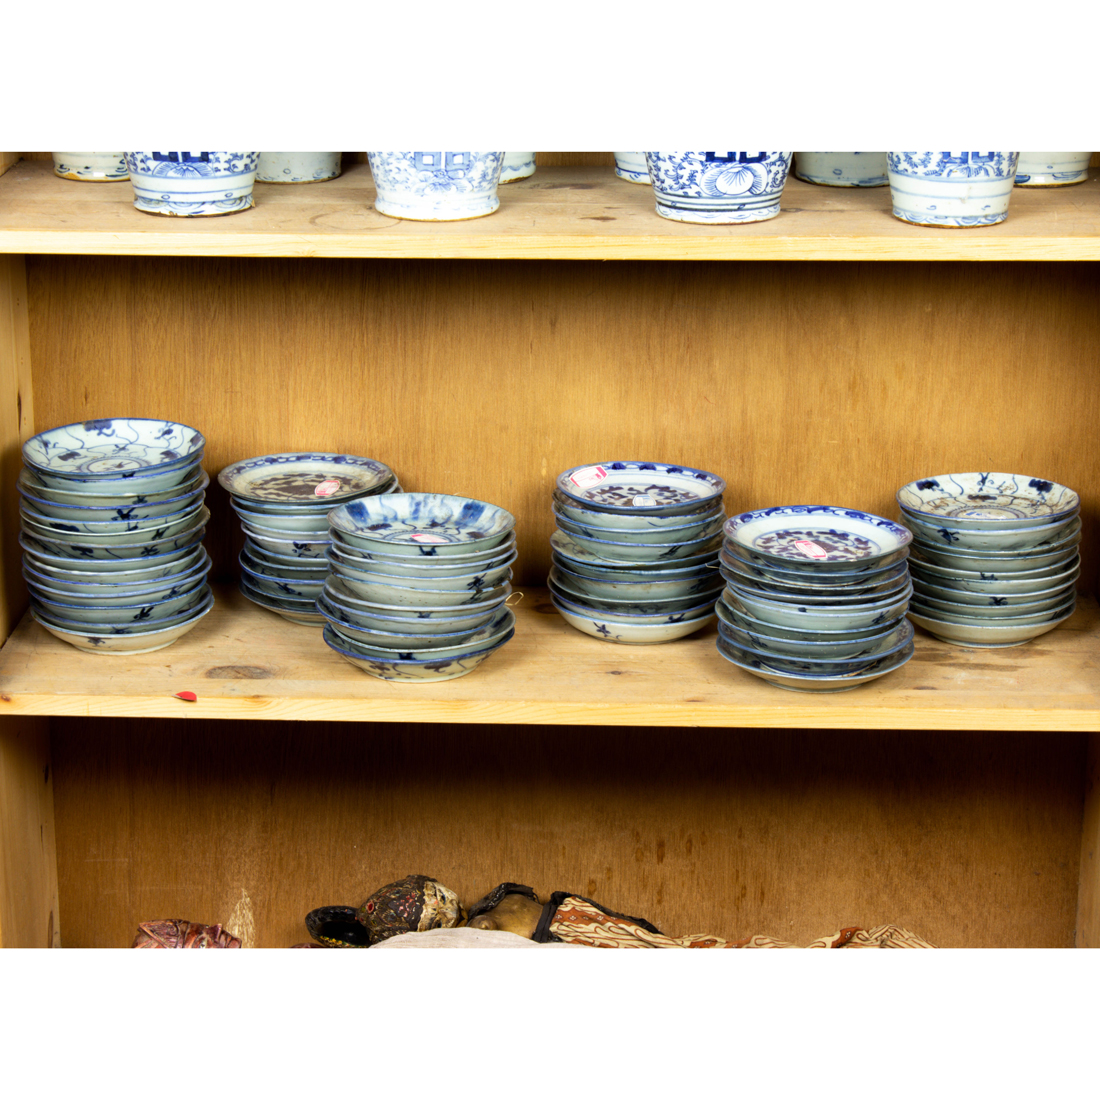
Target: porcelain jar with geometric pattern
(91,167)
(951,189)
(192,185)
(718,188)
(1052,169)
(436,187)
(298,167)
(842,169)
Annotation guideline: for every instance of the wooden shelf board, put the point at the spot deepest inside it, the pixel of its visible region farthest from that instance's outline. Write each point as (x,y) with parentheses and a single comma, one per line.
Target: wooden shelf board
(559,213)
(245,662)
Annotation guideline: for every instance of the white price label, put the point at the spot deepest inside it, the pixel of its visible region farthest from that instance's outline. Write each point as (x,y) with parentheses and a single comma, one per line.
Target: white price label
(644,500)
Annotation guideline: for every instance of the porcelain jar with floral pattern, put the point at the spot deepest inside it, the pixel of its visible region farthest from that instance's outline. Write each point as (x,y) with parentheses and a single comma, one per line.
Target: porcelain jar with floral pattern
(298,167)
(192,185)
(91,167)
(436,187)
(517,166)
(951,189)
(1052,169)
(631,167)
(718,188)
(842,169)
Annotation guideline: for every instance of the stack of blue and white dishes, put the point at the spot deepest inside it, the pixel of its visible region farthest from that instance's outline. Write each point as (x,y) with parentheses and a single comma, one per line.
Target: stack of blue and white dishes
(283,502)
(636,548)
(815,596)
(995,556)
(112,519)
(418,584)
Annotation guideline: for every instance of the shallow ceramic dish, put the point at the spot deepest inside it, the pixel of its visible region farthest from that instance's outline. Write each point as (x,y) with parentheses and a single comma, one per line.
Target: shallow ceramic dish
(422,524)
(117,511)
(986,501)
(969,614)
(993,599)
(374,628)
(626,601)
(803,617)
(817,665)
(810,578)
(427,649)
(135,614)
(168,560)
(588,565)
(299,612)
(492,569)
(407,640)
(118,530)
(305,477)
(800,682)
(106,448)
(383,595)
(125,644)
(404,619)
(817,536)
(296,570)
(1019,562)
(129,553)
(952,609)
(282,587)
(303,549)
(814,598)
(1035,580)
(981,635)
(358,557)
(90,494)
(631,555)
(690,532)
(138,625)
(1003,539)
(595,624)
(81,580)
(108,595)
(406,670)
(618,521)
(141,481)
(639,488)
(799,633)
(283,526)
(646,587)
(783,590)
(364,583)
(258,553)
(764,636)
(819,568)
(630,617)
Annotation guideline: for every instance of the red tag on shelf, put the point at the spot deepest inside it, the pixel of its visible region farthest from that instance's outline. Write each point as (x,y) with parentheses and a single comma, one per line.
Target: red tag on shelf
(187,696)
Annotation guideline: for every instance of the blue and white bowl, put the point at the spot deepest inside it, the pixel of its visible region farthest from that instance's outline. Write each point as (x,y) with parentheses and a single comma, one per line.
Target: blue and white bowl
(139,615)
(975,633)
(627,600)
(681,533)
(842,169)
(517,166)
(631,614)
(421,568)
(436,186)
(642,520)
(636,585)
(113,531)
(427,647)
(1022,581)
(607,629)
(192,185)
(125,511)
(304,479)
(1052,169)
(91,167)
(837,579)
(302,612)
(879,613)
(363,620)
(816,596)
(93,495)
(718,188)
(634,488)
(986,501)
(129,553)
(631,167)
(99,451)
(951,189)
(297,167)
(139,581)
(1002,540)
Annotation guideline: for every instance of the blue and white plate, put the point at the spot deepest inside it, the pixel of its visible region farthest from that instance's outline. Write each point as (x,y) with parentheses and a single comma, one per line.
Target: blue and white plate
(305,478)
(817,536)
(422,524)
(300,612)
(107,448)
(986,501)
(640,488)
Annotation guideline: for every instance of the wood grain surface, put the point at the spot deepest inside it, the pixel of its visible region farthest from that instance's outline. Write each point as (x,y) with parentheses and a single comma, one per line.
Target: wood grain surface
(967,839)
(576,212)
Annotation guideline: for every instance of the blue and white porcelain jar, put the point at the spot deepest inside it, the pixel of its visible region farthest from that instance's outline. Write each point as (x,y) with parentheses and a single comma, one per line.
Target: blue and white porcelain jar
(1052,169)
(718,188)
(951,189)
(517,166)
(631,167)
(91,167)
(192,185)
(436,187)
(842,169)
(298,167)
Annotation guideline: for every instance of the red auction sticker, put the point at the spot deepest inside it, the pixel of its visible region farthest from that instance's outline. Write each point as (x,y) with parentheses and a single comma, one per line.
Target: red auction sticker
(327,488)
(811,549)
(585,479)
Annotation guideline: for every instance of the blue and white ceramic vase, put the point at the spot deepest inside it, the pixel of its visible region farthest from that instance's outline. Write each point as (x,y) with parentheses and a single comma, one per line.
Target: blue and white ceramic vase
(718,188)
(517,166)
(298,167)
(1052,169)
(951,189)
(842,169)
(436,187)
(91,167)
(632,167)
(192,185)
